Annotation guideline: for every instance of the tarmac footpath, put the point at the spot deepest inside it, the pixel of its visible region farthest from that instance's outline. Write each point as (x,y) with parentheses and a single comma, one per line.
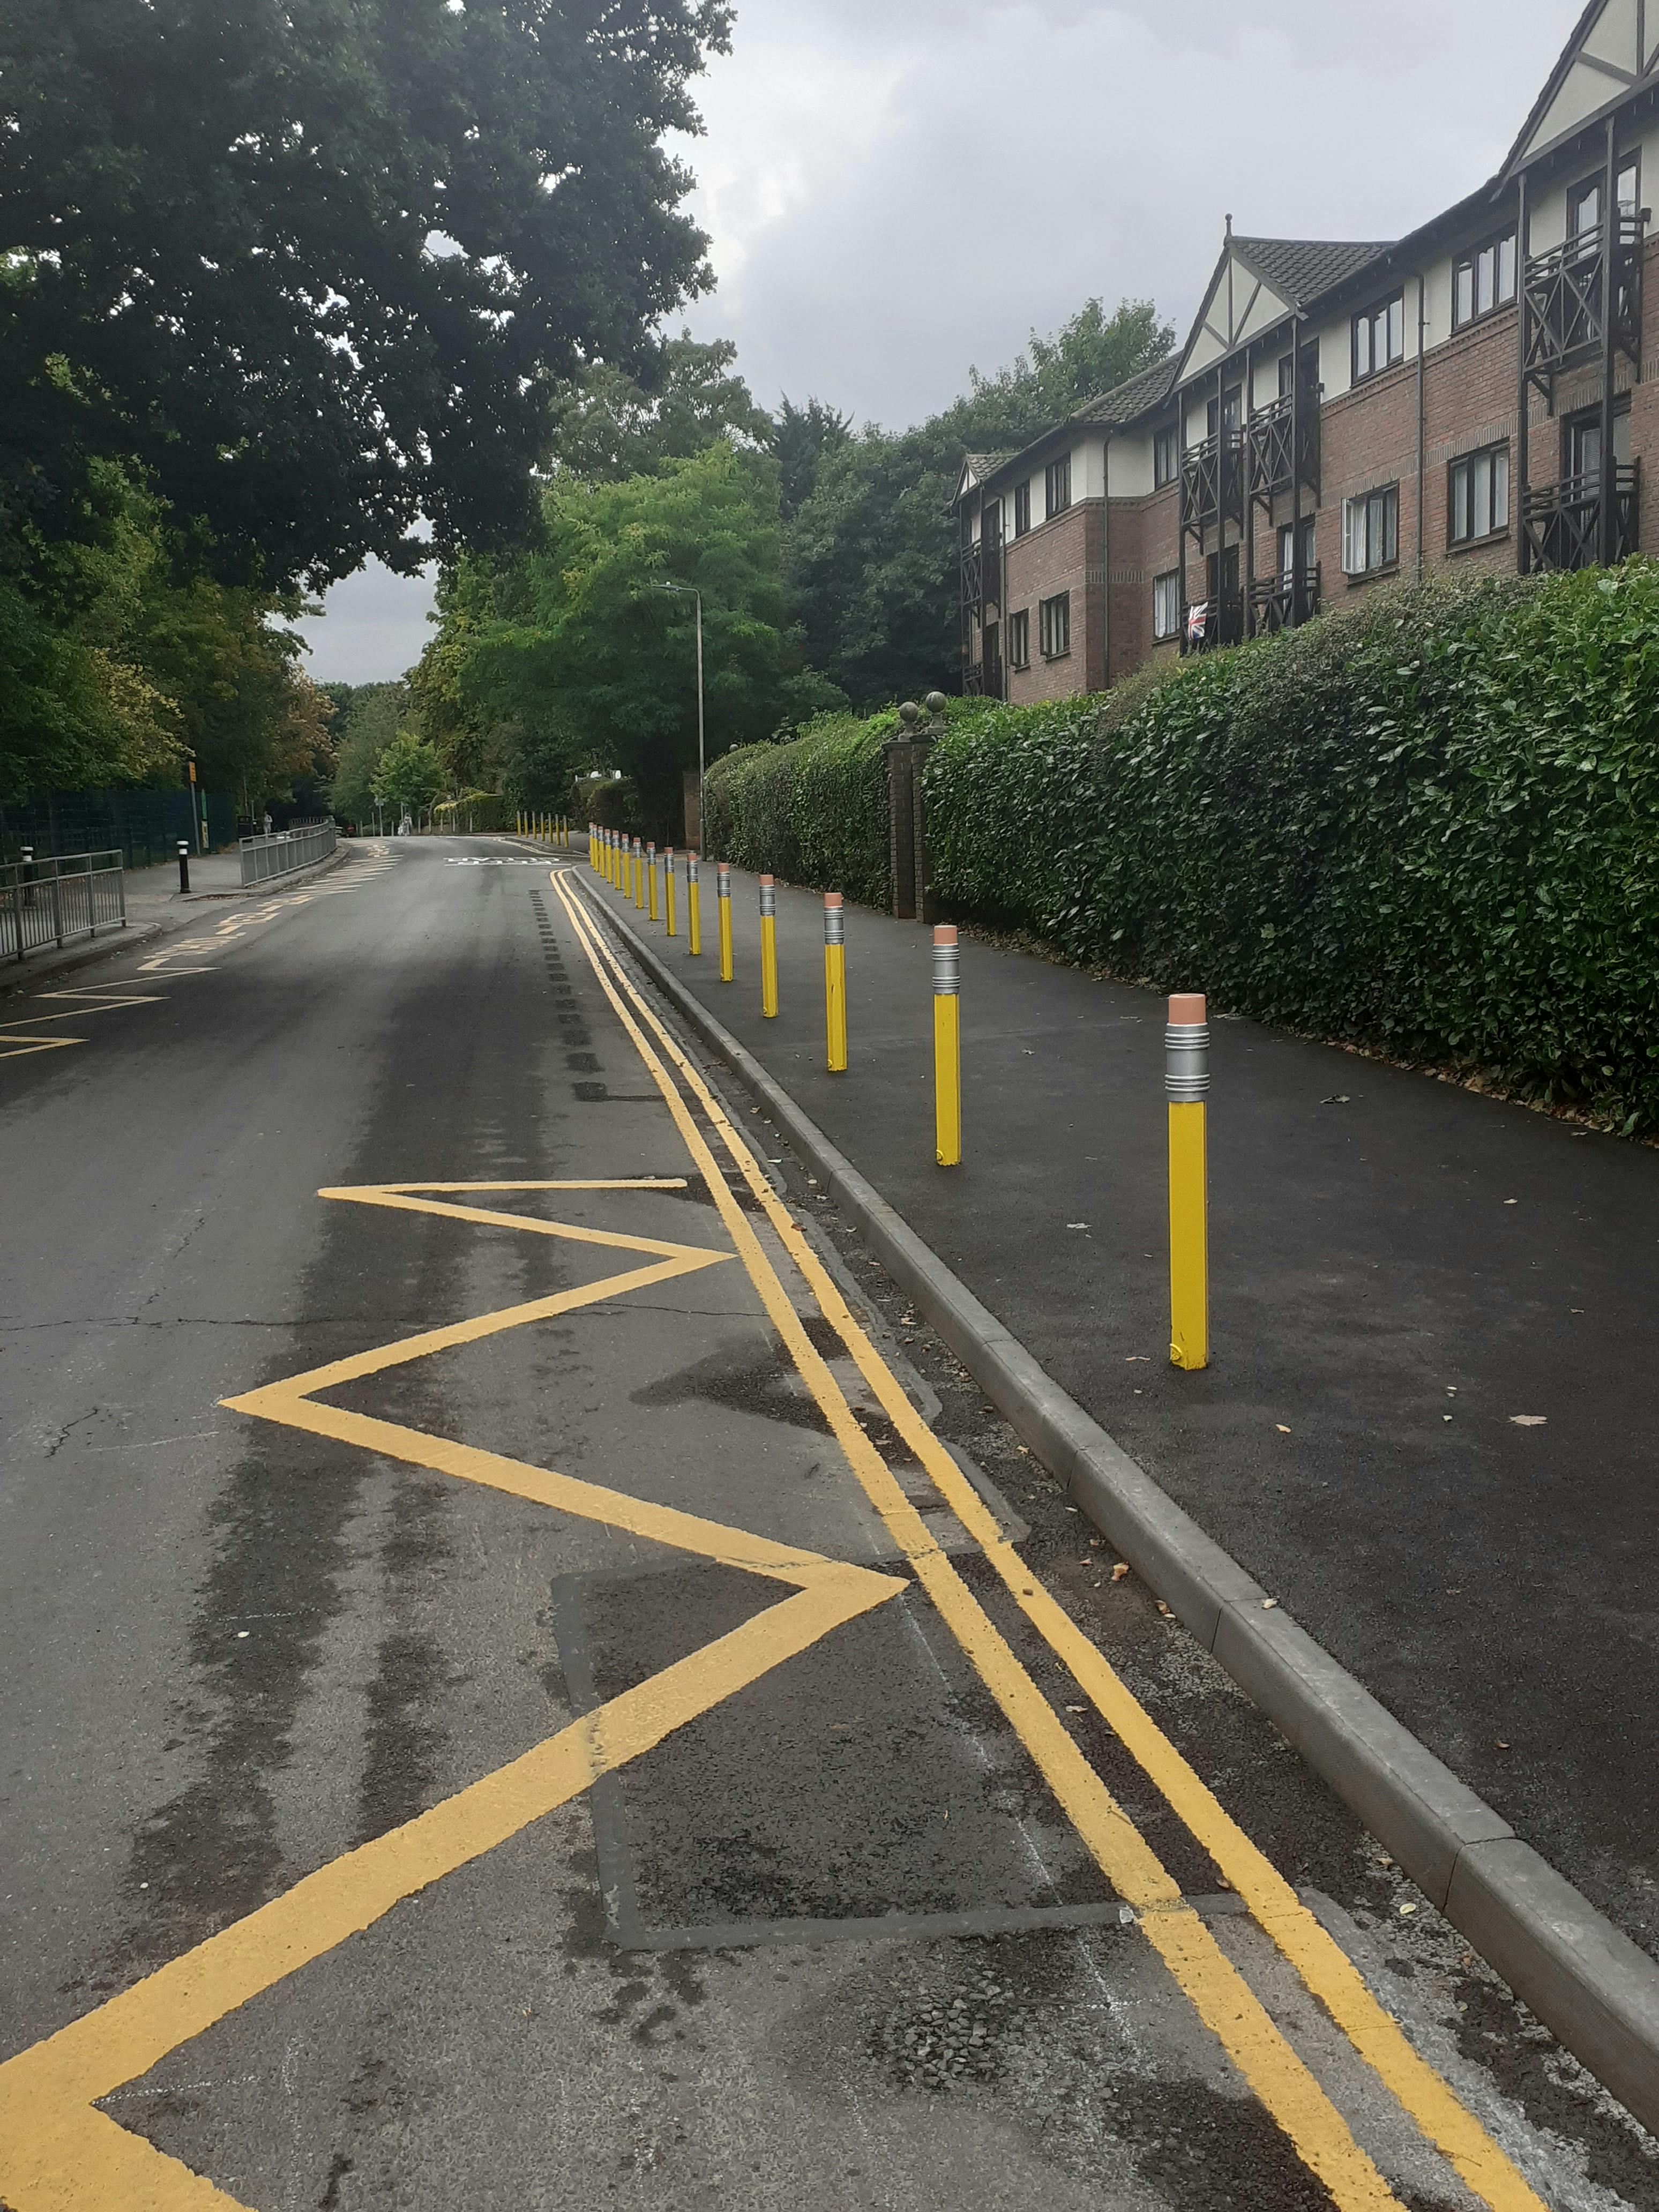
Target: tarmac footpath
(1426,1433)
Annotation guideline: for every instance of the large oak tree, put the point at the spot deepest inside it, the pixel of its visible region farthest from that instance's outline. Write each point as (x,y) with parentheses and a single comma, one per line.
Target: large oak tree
(315,264)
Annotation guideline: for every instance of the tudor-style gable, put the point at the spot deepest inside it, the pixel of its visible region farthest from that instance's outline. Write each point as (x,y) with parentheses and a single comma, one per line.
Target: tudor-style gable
(1613,52)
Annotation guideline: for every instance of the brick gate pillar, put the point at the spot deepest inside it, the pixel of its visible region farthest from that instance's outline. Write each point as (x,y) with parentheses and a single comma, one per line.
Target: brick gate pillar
(906,828)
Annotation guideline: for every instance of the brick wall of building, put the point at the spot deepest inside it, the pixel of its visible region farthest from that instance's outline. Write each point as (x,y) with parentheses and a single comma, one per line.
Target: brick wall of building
(1064,554)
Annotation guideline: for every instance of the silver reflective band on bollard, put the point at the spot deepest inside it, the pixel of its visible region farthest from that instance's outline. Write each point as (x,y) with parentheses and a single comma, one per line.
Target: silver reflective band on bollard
(947,966)
(1187,1062)
(769,896)
(834,921)
(690,867)
(722,879)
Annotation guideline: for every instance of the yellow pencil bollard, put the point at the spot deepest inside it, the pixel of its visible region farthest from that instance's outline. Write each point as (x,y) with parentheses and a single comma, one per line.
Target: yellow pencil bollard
(769,922)
(605,855)
(668,890)
(693,907)
(835,983)
(651,878)
(723,906)
(613,851)
(1186,1082)
(947,1047)
(639,875)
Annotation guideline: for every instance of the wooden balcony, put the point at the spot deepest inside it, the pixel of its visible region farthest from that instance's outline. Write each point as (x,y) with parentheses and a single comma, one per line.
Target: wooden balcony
(1206,624)
(1273,606)
(1563,521)
(1271,435)
(1213,482)
(1561,300)
(984,679)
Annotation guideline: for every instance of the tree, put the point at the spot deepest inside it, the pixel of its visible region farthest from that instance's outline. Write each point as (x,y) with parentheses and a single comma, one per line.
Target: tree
(409,773)
(313,262)
(608,424)
(578,644)
(801,439)
(367,719)
(870,555)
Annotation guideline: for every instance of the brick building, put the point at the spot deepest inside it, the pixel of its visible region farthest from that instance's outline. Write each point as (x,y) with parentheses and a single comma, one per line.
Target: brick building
(1481,394)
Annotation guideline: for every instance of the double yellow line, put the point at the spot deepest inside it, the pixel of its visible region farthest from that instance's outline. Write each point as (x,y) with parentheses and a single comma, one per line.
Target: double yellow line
(1212,1985)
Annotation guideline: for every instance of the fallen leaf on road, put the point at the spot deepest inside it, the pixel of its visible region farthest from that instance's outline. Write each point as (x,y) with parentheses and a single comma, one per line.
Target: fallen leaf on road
(1164,1610)
(1141,1359)
(1511,1201)
(1077,1224)
(1530,1421)
(1281,1426)
(1408,1908)
(1268,1603)
(1341,1099)
(1077,1709)
(1502,1745)
(1120,1570)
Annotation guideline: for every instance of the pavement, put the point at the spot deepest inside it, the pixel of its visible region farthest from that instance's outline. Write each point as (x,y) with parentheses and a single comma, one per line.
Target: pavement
(533,1680)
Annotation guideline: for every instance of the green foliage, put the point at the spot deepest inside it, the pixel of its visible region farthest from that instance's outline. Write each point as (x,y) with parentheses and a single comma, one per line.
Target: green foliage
(1430,826)
(579,647)
(870,556)
(800,439)
(813,811)
(608,424)
(368,718)
(409,773)
(314,263)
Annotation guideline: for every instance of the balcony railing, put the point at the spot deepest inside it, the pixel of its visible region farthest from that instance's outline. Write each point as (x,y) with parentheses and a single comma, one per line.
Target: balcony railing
(1213,481)
(982,679)
(1207,623)
(1271,436)
(1562,297)
(1563,521)
(1273,602)
(973,577)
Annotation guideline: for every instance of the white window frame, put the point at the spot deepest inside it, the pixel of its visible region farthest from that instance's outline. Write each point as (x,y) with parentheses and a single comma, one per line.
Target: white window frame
(1019,626)
(1055,625)
(1388,317)
(1478,494)
(1166,605)
(1370,531)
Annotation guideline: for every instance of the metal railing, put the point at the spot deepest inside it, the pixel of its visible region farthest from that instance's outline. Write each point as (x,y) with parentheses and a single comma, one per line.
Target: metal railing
(288,849)
(1563,521)
(49,902)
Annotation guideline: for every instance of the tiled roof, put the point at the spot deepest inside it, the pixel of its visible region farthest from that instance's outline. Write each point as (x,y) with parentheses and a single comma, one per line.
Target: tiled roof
(1125,401)
(982,465)
(1300,269)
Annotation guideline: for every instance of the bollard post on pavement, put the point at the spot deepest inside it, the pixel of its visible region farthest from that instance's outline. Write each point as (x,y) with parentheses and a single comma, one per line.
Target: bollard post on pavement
(668,890)
(693,908)
(639,875)
(651,878)
(947,1047)
(835,983)
(769,934)
(1186,1084)
(723,906)
(183,864)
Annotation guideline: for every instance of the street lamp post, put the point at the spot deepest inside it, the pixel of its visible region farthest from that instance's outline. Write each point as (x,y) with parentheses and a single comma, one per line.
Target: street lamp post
(690,591)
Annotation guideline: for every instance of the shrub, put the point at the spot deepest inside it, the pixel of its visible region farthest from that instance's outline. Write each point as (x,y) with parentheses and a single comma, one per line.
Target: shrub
(813,810)
(1429,825)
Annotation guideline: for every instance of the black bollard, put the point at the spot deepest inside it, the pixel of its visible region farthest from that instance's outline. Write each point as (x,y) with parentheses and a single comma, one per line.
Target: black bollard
(184,865)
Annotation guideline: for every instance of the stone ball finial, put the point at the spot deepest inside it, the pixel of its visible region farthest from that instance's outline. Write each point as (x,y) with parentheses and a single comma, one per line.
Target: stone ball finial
(936,703)
(910,714)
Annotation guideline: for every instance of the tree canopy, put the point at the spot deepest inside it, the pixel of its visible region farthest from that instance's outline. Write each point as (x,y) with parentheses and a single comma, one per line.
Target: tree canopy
(313,265)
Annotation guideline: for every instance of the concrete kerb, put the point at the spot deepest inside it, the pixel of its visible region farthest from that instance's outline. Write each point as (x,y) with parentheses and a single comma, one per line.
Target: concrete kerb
(1596,1990)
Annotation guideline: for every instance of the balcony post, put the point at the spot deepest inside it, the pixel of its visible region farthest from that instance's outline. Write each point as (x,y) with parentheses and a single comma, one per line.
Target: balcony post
(1607,536)
(1298,596)
(1522,437)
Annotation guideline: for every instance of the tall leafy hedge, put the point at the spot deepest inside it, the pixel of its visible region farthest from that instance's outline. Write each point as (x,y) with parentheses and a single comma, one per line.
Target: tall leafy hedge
(813,811)
(1429,825)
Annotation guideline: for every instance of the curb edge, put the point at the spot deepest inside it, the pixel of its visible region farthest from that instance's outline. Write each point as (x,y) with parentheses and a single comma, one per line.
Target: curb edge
(1591,1985)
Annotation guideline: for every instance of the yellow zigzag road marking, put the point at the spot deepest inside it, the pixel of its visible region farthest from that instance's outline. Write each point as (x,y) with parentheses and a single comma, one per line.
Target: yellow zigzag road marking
(1324,1965)
(57,2153)
(94,998)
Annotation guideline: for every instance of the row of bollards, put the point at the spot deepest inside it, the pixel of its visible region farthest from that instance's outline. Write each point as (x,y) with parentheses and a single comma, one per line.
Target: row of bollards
(631,868)
(545,829)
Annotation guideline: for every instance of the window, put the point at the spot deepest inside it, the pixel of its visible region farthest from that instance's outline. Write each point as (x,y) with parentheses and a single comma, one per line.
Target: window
(1020,639)
(1584,201)
(1232,413)
(1022,508)
(1370,530)
(1054,619)
(1057,485)
(1581,443)
(1286,550)
(1379,338)
(1484,280)
(1166,603)
(1479,495)
(1166,455)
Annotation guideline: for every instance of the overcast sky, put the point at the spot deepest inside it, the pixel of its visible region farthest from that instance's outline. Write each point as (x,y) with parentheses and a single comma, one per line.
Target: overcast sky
(899,189)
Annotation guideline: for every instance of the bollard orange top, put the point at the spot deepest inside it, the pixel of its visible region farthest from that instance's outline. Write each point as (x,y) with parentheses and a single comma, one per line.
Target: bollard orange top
(832,898)
(1185,1007)
(944,933)
(766,879)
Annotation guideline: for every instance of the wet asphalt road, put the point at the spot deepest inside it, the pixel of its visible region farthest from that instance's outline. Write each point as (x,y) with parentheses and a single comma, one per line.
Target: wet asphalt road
(236,1651)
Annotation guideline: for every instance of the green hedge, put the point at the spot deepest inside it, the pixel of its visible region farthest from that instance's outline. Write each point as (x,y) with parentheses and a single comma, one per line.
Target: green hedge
(1429,825)
(813,811)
